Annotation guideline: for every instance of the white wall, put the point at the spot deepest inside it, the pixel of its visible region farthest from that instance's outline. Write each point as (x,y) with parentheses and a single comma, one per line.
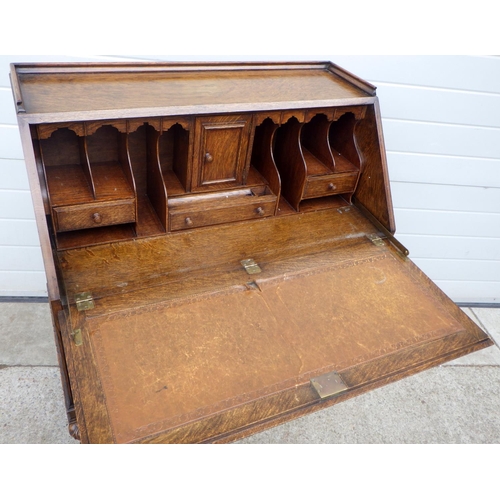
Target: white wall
(21,264)
(441,119)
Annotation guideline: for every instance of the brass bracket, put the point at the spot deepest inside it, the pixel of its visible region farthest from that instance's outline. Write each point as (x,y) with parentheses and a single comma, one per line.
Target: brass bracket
(380,227)
(76,335)
(375,239)
(329,384)
(84,301)
(343,210)
(251,267)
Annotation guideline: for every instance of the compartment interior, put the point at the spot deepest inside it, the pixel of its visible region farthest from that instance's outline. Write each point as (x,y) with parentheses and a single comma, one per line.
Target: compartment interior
(173,156)
(309,151)
(109,165)
(154,167)
(315,146)
(342,144)
(66,168)
(149,186)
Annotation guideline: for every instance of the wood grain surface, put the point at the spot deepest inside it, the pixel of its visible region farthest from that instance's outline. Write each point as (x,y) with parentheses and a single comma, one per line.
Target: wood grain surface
(69,91)
(216,351)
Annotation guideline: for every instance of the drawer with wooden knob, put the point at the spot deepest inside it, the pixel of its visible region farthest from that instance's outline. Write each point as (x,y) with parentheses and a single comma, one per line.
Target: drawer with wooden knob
(330,184)
(242,204)
(91,215)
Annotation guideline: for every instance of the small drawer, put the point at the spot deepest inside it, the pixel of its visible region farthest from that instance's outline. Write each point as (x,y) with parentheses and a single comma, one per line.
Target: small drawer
(233,210)
(72,217)
(330,184)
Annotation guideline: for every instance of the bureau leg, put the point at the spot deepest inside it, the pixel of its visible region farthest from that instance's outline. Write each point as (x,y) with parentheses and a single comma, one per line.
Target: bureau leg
(74,430)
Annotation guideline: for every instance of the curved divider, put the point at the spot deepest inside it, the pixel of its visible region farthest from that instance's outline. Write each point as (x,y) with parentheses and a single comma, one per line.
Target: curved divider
(263,159)
(290,161)
(342,142)
(124,155)
(320,158)
(105,147)
(156,189)
(314,138)
(66,165)
(85,162)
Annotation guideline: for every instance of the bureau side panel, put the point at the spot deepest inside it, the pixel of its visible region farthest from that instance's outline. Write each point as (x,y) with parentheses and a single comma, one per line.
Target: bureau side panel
(373,190)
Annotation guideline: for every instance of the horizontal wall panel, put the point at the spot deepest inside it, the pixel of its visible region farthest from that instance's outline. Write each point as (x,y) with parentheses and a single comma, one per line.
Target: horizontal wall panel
(450,247)
(460,270)
(18,233)
(455,140)
(22,284)
(7,109)
(412,221)
(471,291)
(21,258)
(435,169)
(13,175)
(440,197)
(474,73)
(10,142)
(16,205)
(439,105)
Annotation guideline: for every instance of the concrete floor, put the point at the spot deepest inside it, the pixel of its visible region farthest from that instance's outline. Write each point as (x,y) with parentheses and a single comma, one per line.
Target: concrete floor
(458,402)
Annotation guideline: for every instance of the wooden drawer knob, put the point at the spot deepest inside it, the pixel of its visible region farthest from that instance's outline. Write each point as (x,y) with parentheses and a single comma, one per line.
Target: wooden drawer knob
(97,218)
(259,211)
(188,221)
(209,158)
(331,186)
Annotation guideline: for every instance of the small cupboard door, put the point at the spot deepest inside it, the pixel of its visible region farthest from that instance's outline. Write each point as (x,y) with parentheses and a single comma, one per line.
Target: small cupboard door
(221,150)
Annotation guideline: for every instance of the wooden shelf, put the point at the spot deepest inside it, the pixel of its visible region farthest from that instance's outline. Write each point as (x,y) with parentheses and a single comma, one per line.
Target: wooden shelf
(313,165)
(148,223)
(173,184)
(326,203)
(96,236)
(110,182)
(67,184)
(343,164)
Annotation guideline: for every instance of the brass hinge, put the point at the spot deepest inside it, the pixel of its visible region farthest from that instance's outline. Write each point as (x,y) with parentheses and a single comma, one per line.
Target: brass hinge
(76,335)
(84,301)
(375,239)
(380,227)
(251,267)
(328,385)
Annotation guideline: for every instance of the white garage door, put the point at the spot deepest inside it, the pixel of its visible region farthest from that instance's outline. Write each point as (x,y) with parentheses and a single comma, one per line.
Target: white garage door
(441,119)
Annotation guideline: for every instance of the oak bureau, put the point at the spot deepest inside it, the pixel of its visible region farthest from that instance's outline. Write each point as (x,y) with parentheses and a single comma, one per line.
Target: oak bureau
(219,246)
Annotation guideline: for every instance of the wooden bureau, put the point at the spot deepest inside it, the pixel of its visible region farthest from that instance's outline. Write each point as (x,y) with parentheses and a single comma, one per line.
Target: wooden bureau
(219,246)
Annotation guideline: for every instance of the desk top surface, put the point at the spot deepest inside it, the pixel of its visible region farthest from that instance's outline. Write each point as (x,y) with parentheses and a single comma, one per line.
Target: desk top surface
(49,92)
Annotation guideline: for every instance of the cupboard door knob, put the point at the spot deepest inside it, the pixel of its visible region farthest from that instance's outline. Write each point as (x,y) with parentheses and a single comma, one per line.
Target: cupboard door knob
(188,221)
(331,186)
(209,158)
(97,218)
(259,211)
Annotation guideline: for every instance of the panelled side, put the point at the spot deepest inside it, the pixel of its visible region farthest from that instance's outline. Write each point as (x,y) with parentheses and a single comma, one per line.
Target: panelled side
(373,190)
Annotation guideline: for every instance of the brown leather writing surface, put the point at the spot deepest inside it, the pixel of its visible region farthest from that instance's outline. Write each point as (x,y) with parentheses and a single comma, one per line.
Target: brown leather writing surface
(206,354)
